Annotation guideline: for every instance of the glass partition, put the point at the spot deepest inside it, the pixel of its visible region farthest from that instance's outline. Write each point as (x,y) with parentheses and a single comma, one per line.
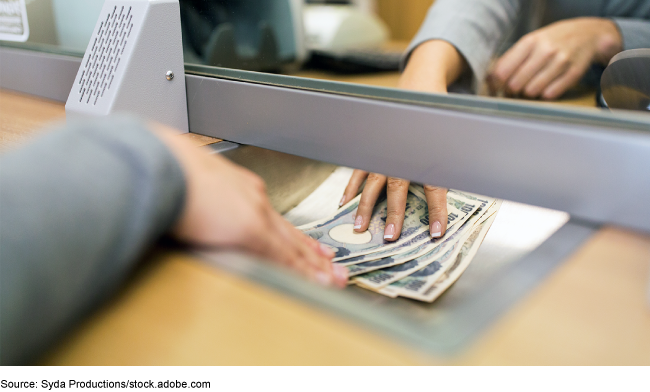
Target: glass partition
(295,43)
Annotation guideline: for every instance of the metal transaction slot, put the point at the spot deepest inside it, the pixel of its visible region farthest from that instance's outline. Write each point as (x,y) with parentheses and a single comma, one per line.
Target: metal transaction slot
(524,244)
(499,276)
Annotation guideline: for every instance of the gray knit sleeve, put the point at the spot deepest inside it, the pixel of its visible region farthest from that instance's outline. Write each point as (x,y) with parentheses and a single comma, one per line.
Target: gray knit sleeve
(77,209)
(635,32)
(476,28)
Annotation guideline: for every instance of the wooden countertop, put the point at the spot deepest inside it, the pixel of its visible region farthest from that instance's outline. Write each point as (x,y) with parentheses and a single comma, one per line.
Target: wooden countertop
(177,310)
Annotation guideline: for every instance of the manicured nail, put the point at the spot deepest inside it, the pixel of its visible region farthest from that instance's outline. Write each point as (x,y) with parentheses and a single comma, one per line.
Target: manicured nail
(340,272)
(358,222)
(342,201)
(326,250)
(436,229)
(389,232)
(323,279)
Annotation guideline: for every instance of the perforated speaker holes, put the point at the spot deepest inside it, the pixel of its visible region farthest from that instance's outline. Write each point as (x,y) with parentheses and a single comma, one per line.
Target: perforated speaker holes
(109,42)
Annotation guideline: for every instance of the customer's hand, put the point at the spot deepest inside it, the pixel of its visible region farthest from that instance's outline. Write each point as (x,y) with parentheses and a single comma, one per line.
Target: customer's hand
(227,206)
(397,190)
(547,62)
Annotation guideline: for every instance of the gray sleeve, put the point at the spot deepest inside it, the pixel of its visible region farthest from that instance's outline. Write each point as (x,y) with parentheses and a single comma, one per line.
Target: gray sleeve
(476,28)
(635,32)
(78,207)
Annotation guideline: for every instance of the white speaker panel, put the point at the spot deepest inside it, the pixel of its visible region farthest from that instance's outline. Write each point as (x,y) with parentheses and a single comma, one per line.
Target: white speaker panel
(125,68)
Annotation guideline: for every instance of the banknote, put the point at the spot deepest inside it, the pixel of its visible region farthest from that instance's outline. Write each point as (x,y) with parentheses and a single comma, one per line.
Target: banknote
(422,241)
(338,232)
(392,261)
(420,281)
(379,278)
(459,205)
(414,242)
(460,264)
(376,280)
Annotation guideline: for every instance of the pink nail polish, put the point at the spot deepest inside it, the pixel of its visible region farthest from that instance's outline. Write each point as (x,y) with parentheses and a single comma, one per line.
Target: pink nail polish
(358,222)
(389,232)
(436,229)
(342,201)
(323,279)
(340,272)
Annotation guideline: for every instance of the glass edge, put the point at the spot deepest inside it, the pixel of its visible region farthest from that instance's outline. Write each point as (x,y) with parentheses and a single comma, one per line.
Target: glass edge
(627,120)
(465,103)
(42,48)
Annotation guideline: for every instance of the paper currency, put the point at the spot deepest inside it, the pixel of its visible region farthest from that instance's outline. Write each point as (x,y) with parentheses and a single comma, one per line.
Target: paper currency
(462,261)
(381,278)
(338,232)
(422,241)
(415,266)
(386,262)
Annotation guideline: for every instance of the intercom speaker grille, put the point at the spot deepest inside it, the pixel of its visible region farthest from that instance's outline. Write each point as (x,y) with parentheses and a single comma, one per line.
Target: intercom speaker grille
(102,65)
(134,45)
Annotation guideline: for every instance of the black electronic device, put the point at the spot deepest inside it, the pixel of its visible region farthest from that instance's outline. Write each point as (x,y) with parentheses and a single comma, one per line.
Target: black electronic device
(357,60)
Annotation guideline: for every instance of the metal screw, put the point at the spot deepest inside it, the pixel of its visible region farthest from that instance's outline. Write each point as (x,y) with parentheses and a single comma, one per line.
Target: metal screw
(169,75)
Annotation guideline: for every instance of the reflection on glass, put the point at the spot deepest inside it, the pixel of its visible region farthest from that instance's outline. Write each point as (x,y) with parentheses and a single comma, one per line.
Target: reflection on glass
(65,24)
(243,34)
(355,41)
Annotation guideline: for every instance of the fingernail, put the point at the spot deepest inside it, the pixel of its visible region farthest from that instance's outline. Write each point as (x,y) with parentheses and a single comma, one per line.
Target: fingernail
(358,222)
(340,272)
(389,232)
(326,250)
(323,279)
(342,201)
(436,229)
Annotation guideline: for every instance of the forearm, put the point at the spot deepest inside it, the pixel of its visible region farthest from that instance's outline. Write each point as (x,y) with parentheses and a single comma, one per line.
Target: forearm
(433,66)
(78,207)
(474,28)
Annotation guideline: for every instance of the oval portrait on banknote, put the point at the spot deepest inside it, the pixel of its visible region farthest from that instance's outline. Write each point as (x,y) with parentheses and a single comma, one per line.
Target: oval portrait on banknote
(345,234)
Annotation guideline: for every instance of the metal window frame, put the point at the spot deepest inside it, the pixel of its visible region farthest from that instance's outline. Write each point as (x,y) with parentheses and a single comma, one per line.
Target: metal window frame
(582,169)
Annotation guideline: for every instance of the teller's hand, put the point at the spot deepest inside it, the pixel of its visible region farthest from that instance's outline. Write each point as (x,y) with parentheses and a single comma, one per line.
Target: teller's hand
(547,62)
(226,206)
(397,190)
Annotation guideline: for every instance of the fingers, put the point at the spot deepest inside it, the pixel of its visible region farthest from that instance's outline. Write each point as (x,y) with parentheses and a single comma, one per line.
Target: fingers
(288,246)
(510,62)
(312,261)
(374,186)
(437,204)
(564,82)
(397,191)
(530,67)
(358,177)
(543,79)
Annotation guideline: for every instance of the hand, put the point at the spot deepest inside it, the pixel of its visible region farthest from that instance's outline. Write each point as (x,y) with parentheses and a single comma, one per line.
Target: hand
(397,190)
(226,206)
(433,65)
(547,62)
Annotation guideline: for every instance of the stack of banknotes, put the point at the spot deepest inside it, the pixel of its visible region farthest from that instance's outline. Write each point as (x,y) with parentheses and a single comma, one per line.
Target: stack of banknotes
(415,266)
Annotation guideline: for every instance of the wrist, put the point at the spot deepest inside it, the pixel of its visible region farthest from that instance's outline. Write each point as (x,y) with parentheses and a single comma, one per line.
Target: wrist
(609,41)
